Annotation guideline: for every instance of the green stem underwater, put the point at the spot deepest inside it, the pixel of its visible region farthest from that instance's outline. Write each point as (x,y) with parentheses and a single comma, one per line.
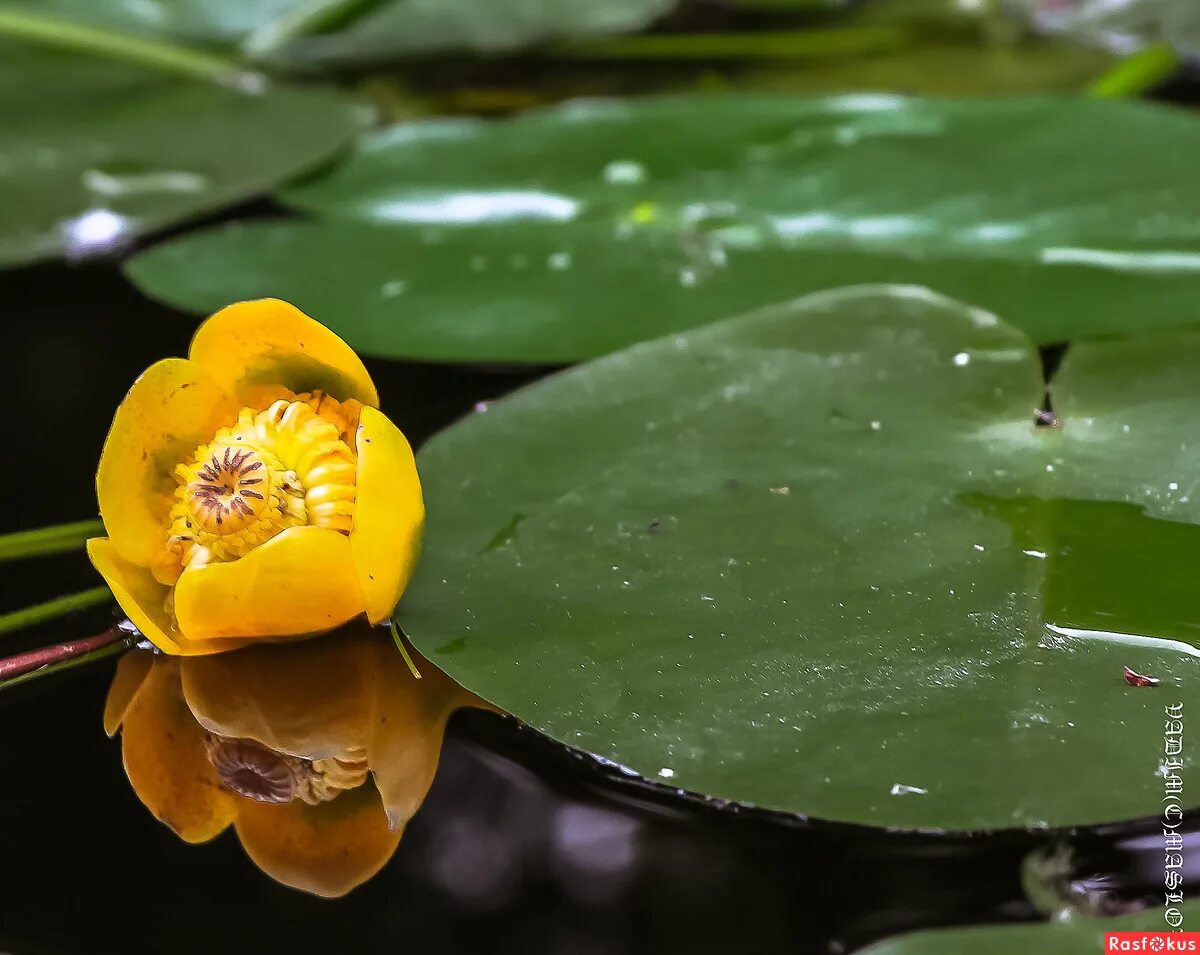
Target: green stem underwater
(39,613)
(60,34)
(48,540)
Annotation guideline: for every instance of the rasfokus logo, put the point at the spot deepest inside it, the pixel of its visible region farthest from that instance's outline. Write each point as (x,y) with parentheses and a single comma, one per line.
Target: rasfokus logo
(1152,942)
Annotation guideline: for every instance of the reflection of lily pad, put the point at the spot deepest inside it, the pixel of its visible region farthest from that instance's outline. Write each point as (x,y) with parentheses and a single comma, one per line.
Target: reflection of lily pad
(93,154)
(1081,936)
(569,232)
(813,559)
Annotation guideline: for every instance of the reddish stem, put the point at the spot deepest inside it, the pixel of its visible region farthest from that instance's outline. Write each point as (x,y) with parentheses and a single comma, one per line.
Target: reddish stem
(21,663)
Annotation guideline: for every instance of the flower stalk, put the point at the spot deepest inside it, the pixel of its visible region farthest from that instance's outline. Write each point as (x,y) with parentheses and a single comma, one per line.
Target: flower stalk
(34,664)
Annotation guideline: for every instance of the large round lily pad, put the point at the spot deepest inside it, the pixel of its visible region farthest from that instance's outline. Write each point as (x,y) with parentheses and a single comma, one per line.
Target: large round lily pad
(94,153)
(820,559)
(570,232)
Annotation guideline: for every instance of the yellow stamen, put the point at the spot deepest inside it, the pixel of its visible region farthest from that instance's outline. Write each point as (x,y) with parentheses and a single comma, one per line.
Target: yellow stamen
(282,467)
(260,773)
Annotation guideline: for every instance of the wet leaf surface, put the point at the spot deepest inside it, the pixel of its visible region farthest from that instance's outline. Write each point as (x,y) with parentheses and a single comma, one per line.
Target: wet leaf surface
(1081,936)
(819,559)
(566,233)
(94,154)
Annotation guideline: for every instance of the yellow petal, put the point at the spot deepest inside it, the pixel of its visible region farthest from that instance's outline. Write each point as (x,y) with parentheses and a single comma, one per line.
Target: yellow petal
(409,726)
(174,407)
(131,673)
(300,582)
(389,513)
(163,749)
(312,698)
(326,849)
(139,594)
(252,345)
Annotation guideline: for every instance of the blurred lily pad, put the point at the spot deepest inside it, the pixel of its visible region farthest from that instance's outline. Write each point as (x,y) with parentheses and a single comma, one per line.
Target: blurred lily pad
(412,27)
(568,232)
(1080,936)
(819,559)
(1028,67)
(336,32)
(93,154)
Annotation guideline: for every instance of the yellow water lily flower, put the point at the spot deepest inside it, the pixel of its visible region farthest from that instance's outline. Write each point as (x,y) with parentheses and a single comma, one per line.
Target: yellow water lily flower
(253,490)
(317,753)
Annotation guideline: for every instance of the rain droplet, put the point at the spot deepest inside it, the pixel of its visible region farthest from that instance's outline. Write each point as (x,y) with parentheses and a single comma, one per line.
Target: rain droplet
(624,172)
(961,359)
(393,288)
(666,773)
(899,789)
(559,261)
(95,231)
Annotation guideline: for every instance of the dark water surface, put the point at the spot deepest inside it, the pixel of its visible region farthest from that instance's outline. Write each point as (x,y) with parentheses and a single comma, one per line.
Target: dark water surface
(522,846)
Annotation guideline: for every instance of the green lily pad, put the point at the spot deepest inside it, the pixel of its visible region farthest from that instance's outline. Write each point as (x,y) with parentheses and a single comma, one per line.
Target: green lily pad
(819,559)
(94,153)
(1080,936)
(373,31)
(413,27)
(566,233)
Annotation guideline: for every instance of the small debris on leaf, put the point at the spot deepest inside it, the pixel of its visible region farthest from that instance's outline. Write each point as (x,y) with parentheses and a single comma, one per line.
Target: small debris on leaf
(900,789)
(781,490)
(1133,678)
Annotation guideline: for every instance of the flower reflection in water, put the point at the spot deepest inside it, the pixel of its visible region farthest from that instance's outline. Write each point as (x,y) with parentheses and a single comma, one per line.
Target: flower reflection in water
(317,753)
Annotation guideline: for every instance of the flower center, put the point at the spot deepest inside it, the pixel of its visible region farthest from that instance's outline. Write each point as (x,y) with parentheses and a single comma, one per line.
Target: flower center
(228,493)
(260,773)
(286,466)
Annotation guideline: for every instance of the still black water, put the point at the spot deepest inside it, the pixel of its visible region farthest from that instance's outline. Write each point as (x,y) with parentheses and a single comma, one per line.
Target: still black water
(521,846)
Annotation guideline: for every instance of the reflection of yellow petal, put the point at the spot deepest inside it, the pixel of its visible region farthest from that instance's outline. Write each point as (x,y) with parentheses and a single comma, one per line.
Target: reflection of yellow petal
(410,722)
(131,673)
(300,582)
(163,749)
(389,513)
(311,699)
(268,342)
(170,410)
(326,849)
(139,594)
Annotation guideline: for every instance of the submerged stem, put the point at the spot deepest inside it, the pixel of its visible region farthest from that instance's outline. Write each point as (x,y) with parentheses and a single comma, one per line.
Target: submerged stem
(399,640)
(47,540)
(39,613)
(34,664)
(62,34)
